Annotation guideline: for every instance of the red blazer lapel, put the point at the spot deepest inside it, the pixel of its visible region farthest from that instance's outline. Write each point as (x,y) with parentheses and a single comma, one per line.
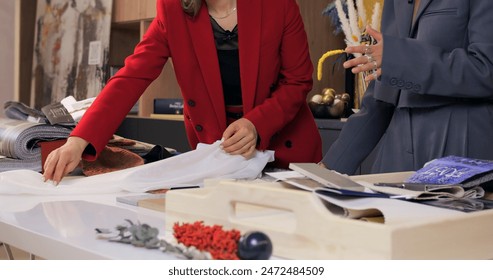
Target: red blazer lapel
(249,30)
(205,51)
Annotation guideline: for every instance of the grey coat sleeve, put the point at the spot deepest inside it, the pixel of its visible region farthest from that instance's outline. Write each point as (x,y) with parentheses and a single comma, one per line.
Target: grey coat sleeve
(359,135)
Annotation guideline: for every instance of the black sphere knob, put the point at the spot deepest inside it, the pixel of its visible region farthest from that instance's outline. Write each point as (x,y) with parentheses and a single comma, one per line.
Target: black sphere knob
(254,246)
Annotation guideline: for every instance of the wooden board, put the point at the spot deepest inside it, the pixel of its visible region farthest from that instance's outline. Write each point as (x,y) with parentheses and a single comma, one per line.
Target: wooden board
(157,204)
(301,227)
(170,117)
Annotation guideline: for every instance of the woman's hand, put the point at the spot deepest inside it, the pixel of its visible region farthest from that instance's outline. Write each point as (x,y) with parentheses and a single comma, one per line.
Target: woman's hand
(240,138)
(63,160)
(371,59)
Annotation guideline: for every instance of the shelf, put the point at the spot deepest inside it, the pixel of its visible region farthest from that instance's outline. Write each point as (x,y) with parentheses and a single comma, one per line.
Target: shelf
(169,117)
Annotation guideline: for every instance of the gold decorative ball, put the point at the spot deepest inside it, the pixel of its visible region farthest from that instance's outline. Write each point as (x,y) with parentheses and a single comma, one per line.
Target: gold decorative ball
(330,91)
(328,96)
(328,99)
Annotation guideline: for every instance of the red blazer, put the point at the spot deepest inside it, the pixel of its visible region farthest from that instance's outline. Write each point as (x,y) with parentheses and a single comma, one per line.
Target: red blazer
(275,69)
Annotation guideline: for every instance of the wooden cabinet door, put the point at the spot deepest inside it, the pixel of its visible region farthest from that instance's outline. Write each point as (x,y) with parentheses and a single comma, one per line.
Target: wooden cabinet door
(148,9)
(133,10)
(126,10)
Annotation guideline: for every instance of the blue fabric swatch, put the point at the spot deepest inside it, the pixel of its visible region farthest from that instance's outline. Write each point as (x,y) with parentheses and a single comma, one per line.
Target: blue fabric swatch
(450,170)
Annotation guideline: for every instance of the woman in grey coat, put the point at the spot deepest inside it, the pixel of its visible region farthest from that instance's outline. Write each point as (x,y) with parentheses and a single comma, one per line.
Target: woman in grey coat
(431,91)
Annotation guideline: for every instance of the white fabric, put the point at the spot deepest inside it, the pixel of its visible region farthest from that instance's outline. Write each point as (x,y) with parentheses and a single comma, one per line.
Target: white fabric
(77,108)
(187,169)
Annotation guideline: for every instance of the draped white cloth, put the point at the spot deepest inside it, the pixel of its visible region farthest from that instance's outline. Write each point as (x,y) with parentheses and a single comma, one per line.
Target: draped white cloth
(187,169)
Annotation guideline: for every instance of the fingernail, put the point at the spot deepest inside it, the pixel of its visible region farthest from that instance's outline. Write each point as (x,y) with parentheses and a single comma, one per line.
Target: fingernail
(43,178)
(222,139)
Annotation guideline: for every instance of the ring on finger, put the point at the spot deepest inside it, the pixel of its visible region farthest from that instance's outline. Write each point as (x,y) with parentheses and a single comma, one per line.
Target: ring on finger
(375,74)
(370,58)
(375,64)
(367,49)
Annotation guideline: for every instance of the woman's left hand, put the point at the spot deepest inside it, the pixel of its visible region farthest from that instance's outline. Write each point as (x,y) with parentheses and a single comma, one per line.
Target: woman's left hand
(371,59)
(240,138)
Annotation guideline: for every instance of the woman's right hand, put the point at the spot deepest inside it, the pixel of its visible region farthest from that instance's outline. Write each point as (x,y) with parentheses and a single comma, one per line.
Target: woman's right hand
(371,59)
(63,160)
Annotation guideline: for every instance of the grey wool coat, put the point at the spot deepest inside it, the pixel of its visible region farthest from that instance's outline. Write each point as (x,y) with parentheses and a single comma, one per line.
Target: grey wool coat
(435,95)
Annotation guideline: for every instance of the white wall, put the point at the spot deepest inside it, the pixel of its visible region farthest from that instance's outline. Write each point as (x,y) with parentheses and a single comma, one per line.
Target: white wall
(7,19)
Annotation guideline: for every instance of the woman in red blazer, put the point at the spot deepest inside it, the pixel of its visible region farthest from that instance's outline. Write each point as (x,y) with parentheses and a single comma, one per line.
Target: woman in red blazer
(244,71)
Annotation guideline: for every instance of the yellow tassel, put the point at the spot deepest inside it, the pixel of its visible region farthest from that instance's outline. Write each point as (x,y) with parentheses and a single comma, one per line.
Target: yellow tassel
(322,59)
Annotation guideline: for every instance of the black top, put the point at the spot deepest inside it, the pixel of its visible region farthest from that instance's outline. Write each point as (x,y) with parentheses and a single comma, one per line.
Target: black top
(229,62)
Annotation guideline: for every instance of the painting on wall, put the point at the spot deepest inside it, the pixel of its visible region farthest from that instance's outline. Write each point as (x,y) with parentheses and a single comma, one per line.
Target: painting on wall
(71,47)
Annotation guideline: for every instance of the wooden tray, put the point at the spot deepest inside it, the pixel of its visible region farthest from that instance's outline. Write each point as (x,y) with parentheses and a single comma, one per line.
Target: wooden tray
(301,227)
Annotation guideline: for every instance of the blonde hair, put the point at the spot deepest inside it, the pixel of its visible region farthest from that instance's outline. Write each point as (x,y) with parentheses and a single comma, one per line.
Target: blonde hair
(191,7)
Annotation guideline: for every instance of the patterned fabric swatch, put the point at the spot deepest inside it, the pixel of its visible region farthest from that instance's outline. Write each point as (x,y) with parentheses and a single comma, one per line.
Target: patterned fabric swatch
(451,170)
